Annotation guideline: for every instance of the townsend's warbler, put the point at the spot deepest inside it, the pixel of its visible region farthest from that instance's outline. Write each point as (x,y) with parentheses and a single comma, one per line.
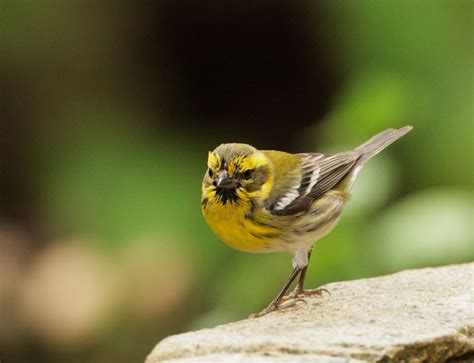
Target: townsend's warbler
(265,201)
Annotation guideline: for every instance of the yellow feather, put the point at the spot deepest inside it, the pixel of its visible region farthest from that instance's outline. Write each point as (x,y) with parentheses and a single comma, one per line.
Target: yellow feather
(229,223)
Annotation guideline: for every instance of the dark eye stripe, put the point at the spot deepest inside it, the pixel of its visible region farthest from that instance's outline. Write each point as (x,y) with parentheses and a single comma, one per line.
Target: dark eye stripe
(259,177)
(248,173)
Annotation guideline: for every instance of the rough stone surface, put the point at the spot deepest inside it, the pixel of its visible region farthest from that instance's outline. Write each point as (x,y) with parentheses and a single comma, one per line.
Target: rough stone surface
(422,315)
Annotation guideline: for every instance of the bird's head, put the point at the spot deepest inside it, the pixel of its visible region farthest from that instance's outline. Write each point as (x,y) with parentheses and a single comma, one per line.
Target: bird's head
(237,172)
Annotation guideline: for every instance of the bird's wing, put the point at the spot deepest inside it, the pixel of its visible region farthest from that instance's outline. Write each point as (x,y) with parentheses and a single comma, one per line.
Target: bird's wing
(319,173)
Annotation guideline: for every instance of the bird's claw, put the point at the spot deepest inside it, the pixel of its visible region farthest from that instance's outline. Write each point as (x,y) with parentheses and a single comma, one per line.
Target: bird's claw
(274,307)
(301,293)
(290,301)
(270,308)
(315,292)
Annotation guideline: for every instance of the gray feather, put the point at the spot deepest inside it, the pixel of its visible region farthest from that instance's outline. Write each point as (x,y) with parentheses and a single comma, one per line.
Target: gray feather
(321,173)
(377,143)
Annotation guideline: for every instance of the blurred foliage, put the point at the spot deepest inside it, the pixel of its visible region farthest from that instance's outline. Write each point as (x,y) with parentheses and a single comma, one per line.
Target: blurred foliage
(103,250)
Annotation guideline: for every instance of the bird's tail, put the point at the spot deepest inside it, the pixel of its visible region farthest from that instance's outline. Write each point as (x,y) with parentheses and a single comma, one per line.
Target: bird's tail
(372,147)
(377,143)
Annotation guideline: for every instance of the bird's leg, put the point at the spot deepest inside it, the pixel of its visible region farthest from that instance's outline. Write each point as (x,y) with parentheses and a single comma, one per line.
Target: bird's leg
(277,300)
(299,290)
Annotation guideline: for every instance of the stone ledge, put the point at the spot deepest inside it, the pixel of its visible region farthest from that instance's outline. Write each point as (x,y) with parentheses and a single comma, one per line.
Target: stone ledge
(424,315)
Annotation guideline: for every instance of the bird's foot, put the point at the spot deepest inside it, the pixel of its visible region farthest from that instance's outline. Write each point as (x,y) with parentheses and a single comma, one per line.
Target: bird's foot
(270,308)
(300,293)
(282,305)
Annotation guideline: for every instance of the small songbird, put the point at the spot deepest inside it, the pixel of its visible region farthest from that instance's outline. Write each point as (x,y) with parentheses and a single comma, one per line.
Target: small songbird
(264,201)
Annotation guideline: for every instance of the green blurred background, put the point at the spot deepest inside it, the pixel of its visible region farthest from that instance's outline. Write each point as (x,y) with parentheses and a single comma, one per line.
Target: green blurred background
(108,109)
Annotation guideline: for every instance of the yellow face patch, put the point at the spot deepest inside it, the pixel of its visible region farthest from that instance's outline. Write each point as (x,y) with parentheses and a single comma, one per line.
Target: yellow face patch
(232,167)
(242,163)
(236,165)
(213,161)
(254,161)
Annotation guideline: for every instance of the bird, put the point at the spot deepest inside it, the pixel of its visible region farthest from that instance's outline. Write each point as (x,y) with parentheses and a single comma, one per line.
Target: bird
(266,201)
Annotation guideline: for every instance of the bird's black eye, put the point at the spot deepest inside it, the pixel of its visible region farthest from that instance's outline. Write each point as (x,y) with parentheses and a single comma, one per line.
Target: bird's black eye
(211,173)
(248,174)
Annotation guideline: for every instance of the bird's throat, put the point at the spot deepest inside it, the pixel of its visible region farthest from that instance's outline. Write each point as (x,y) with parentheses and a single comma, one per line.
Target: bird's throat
(226,195)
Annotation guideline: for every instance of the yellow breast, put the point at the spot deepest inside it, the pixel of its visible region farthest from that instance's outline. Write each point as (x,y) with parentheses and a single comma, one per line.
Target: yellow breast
(229,223)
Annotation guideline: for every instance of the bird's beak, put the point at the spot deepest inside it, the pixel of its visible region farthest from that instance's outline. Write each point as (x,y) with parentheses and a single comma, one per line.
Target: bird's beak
(227,182)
